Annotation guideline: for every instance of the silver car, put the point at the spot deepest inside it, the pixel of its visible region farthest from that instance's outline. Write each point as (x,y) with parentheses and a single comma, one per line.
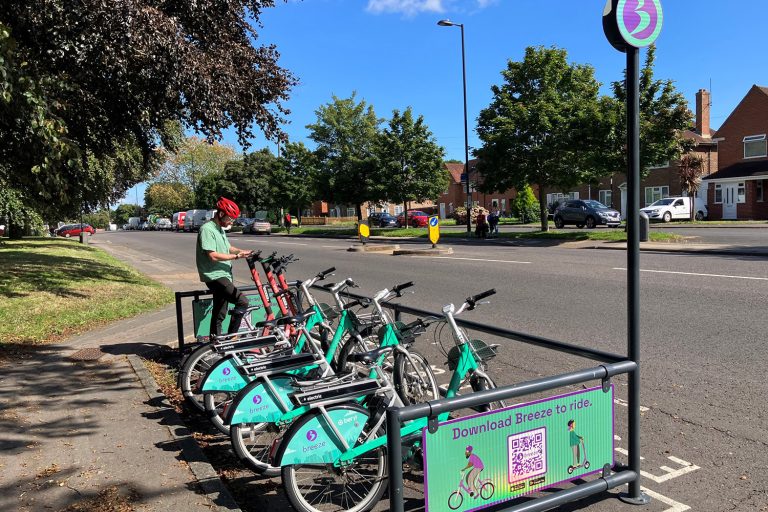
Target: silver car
(258,227)
(586,212)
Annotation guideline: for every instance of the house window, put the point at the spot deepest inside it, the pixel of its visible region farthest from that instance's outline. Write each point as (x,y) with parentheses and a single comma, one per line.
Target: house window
(350,212)
(662,165)
(741,193)
(398,209)
(653,194)
(718,193)
(606,197)
(755,146)
(759,190)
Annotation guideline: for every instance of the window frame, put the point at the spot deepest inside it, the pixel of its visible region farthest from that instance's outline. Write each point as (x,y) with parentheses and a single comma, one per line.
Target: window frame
(718,191)
(741,192)
(654,197)
(748,139)
(759,191)
(603,194)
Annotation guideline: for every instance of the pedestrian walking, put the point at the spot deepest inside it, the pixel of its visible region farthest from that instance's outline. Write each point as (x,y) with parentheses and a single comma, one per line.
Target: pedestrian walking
(493,222)
(481,229)
(287,222)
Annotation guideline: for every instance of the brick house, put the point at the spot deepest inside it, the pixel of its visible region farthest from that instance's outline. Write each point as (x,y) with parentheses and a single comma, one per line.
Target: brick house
(737,189)
(661,181)
(456,195)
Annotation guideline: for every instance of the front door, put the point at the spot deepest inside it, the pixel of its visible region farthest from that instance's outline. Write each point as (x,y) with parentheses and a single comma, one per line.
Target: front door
(729,200)
(442,210)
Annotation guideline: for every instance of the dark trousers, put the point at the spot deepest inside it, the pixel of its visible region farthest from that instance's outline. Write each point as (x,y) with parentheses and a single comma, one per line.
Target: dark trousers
(224,293)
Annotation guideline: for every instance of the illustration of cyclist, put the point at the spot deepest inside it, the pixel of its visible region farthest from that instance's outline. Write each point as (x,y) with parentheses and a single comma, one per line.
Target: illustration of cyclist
(575,441)
(474,462)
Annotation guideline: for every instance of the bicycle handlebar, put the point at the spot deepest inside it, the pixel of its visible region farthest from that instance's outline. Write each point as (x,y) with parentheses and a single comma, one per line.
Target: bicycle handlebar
(357,302)
(480,296)
(324,273)
(400,287)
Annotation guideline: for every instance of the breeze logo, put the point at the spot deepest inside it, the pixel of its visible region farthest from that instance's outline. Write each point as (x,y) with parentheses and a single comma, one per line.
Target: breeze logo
(226,371)
(311,435)
(257,399)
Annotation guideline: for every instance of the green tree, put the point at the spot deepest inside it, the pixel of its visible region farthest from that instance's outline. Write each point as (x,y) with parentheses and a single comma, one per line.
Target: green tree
(410,161)
(166,198)
(664,116)
(345,134)
(193,159)
(525,206)
(293,182)
(244,181)
(121,214)
(81,80)
(690,170)
(538,127)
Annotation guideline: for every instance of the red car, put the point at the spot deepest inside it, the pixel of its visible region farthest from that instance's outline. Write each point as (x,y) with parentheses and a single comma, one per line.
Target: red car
(74,230)
(416,219)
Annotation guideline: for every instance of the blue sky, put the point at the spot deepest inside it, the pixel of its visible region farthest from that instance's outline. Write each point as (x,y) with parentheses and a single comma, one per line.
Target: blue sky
(394,55)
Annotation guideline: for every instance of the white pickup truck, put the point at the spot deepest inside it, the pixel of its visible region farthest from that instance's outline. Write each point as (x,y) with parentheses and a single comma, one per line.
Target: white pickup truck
(675,208)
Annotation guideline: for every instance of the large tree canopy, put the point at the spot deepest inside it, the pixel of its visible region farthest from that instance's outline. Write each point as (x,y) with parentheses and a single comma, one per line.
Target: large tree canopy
(536,127)
(82,80)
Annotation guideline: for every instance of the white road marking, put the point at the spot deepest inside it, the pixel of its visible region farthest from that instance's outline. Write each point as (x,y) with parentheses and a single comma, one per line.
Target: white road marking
(329,246)
(436,370)
(675,506)
(624,403)
(471,259)
(625,452)
(290,243)
(698,274)
(686,467)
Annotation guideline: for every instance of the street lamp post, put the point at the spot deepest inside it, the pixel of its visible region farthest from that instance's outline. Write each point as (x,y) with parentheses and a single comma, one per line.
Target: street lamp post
(449,23)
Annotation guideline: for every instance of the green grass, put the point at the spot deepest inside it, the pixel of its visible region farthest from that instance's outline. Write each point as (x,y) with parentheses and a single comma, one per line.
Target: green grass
(54,288)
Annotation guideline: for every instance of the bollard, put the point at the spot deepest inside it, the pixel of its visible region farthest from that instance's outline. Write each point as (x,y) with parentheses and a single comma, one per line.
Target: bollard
(644,226)
(84,237)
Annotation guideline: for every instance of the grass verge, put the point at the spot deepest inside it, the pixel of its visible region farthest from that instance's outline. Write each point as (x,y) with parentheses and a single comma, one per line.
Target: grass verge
(616,235)
(54,288)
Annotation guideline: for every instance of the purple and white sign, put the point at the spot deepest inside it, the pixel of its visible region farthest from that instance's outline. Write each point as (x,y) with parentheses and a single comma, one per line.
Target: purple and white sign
(639,21)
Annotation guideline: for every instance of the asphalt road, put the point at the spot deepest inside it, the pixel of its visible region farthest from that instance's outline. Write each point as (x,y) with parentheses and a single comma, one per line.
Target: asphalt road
(702,333)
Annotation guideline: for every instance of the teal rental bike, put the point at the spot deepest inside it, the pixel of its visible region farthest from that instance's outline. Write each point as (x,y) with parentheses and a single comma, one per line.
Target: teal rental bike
(262,410)
(334,456)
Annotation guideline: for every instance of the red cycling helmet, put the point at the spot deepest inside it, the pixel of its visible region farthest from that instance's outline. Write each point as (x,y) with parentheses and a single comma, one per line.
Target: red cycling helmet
(228,208)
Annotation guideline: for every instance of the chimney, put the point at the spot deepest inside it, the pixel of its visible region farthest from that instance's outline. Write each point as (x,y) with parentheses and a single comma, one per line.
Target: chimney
(702,113)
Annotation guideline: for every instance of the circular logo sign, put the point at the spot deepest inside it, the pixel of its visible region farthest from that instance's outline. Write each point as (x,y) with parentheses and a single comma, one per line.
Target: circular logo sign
(311,435)
(639,21)
(226,371)
(433,221)
(257,399)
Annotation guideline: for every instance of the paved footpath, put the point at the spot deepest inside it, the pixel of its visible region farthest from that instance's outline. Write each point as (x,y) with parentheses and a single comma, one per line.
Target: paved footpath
(80,434)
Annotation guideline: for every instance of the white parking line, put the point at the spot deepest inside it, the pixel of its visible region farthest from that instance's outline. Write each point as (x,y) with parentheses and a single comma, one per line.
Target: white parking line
(675,506)
(624,403)
(472,259)
(697,274)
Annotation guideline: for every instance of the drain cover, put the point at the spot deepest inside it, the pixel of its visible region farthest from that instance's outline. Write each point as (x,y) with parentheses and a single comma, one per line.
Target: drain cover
(87,354)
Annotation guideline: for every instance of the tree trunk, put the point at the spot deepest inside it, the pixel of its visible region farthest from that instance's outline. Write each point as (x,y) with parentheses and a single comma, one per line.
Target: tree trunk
(543,210)
(359,210)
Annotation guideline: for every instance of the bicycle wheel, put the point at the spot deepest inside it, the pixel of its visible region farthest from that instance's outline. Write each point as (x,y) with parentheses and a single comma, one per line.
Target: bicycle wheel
(193,368)
(414,381)
(486,491)
(324,488)
(252,443)
(455,500)
(482,384)
(351,345)
(216,406)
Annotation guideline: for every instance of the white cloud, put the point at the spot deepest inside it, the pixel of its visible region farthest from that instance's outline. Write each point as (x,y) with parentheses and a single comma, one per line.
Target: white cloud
(408,7)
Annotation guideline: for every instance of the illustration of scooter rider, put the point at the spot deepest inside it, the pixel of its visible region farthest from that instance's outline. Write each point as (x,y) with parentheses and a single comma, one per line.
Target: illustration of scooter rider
(474,462)
(577,444)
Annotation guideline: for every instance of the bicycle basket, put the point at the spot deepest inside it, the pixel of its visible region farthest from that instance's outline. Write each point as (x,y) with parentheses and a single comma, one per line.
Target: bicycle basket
(329,312)
(483,350)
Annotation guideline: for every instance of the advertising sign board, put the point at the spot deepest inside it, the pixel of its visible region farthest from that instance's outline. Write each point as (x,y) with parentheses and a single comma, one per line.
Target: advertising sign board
(485,459)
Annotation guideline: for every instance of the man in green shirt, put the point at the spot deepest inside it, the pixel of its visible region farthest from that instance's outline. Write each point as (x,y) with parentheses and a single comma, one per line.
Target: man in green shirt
(214,257)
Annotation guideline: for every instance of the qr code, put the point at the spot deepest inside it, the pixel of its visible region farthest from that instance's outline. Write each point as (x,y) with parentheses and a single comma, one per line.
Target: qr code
(527,454)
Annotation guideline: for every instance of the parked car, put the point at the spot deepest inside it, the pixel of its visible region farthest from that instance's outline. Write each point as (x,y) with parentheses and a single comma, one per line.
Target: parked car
(70,230)
(177,223)
(678,208)
(243,221)
(585,212)
(163,225)
(416,218)
(382,220)
(258,226)
(194,219)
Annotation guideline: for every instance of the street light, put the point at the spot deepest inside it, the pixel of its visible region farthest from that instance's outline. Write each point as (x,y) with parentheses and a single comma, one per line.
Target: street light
(449,23)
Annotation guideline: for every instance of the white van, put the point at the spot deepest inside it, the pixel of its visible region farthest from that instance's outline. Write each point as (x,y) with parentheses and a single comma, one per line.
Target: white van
(676,208)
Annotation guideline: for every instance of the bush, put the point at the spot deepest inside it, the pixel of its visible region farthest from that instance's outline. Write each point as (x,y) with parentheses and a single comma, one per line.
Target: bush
(525,206)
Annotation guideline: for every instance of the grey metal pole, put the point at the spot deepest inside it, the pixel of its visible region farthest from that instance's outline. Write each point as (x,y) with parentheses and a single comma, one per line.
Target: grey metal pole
(466,133)
(395,460)
(633,267)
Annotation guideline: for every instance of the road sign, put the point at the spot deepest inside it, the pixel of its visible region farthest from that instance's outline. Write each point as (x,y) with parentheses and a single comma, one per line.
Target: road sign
(364,231)
(639,22)
(434,229)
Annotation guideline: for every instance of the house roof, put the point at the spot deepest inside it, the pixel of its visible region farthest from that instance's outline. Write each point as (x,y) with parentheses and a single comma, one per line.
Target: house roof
(754,87)
(690,134)
(741,170)
(455,169)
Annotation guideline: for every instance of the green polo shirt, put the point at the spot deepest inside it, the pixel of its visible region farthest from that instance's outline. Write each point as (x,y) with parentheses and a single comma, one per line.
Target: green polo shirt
(212,238)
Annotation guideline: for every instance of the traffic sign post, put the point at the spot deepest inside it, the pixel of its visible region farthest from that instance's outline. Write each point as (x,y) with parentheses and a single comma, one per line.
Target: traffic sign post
(363,231)
(434,230)
(628,26)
